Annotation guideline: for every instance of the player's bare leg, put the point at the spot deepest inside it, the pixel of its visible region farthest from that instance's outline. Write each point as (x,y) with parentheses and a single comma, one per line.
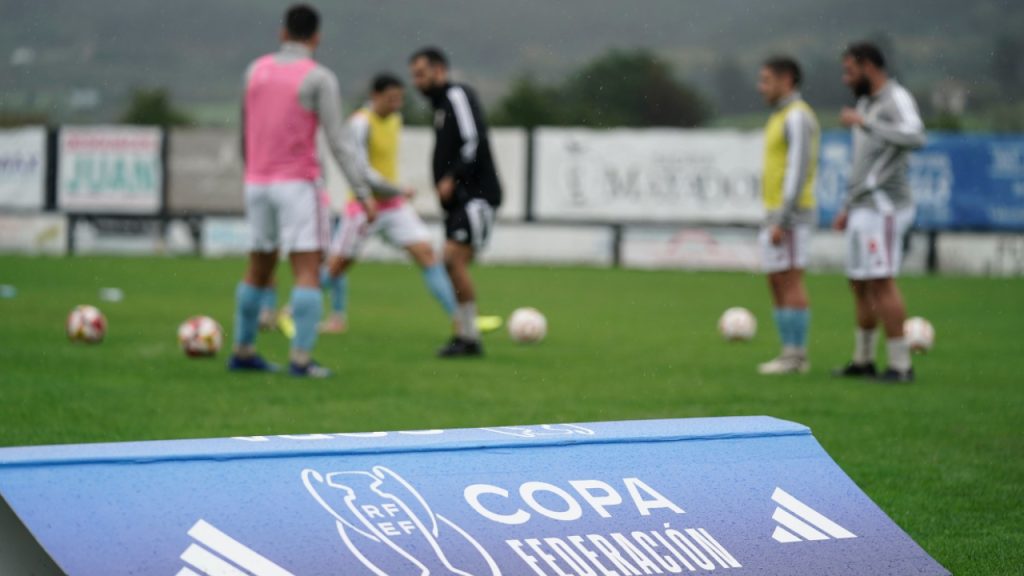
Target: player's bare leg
(457,259)
(888,303)
(307,306)
(248,296)
(789,295)
(335,279)
(866,334)
(422,254)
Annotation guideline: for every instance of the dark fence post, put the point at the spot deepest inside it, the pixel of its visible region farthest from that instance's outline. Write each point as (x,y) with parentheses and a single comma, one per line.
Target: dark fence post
(529,175)
(617,233)
(165,179)
(50,204)
(72,221)
(933,252)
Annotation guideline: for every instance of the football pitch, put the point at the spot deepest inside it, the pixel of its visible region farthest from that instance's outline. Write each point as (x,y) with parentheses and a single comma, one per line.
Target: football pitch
(943,457)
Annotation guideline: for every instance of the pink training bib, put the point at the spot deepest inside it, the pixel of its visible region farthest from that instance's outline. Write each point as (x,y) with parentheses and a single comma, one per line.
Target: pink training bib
(280,135)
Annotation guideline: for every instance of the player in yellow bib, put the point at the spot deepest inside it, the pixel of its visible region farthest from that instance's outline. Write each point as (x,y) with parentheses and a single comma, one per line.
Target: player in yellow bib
(791,142)
(376,130)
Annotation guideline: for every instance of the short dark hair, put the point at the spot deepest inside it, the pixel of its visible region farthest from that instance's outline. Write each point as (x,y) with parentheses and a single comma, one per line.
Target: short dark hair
(785,66)
(383,81)
(865,52)
(301,21)
(433,55)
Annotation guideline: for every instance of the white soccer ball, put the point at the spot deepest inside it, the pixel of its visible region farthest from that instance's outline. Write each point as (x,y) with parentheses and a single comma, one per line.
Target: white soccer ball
(200,336)
(737,324)
(527,325)
(86,324)
(919,333)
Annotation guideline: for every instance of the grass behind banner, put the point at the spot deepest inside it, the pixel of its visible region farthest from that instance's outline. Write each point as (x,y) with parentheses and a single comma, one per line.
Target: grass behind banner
(944,457)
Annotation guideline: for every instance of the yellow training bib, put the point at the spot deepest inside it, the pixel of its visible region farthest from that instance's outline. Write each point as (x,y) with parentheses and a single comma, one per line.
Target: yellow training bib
(776,149)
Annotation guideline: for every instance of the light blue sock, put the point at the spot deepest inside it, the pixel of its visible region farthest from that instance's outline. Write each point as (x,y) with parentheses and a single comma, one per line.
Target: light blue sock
(440,285)
(247,313)
(268,299)
(339,290)
(325,277)
(307,306)
(339,294)
(800,322)
(782,324)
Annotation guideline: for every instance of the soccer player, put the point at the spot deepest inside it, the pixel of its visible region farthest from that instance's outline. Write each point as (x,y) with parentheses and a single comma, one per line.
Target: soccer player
(467,185)
(879,209)
(791,142)
(375,130)
(287,96)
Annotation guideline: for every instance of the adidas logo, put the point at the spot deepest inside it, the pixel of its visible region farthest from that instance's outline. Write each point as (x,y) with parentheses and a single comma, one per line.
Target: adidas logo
(799,522)
(214,553)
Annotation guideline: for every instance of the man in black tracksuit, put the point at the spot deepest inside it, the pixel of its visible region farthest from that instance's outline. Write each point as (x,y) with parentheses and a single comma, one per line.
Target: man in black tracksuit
(467,185)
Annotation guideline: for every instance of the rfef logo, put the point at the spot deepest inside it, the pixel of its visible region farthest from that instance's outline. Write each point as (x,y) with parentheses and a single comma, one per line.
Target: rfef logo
(390,528)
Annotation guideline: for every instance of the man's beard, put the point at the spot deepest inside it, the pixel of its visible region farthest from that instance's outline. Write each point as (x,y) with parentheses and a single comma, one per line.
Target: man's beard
(862,88)
(429,89)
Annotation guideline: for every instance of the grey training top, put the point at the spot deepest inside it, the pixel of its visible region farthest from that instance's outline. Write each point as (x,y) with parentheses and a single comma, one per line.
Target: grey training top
(802,133)
(881,149)
(320,95)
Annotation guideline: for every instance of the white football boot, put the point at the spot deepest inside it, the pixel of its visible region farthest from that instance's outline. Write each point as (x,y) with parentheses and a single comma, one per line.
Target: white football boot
(789,362)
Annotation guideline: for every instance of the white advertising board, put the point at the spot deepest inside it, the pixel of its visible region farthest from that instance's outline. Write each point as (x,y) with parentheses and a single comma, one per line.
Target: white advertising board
(652,175)
(33,234)
(696,248)
(23,168)
(981,254)
(205,167)
(110,169)
(737,249)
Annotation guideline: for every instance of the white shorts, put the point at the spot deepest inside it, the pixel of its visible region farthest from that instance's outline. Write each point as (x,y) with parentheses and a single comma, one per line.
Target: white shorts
(791,254)
(400,226)
(874,242)
(287,216)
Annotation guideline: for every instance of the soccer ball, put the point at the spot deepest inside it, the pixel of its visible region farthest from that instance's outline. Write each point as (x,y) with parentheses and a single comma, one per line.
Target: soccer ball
(200,336)
(919,333)
(737,324)
(527,325)
(86,324)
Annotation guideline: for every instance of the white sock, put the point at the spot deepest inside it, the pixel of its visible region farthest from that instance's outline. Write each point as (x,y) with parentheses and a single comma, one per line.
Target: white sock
(794,352)
(467,321)
(245,350)
(899,354)
(299,357)
(865,344)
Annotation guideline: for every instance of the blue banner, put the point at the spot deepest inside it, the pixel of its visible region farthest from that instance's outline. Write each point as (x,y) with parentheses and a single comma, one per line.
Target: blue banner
(960,182)
(751,495)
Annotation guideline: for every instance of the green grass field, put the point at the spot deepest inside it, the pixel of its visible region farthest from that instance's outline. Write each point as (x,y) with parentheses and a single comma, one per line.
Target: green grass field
(944,457)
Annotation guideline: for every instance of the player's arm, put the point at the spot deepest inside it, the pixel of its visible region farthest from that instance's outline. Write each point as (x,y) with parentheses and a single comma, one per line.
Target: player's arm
(358,129)
(327,101)
(799,133)
(906,130)
(241,132)
(468,131)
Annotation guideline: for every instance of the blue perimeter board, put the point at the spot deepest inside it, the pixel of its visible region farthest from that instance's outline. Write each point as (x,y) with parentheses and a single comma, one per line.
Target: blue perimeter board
(750,495)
